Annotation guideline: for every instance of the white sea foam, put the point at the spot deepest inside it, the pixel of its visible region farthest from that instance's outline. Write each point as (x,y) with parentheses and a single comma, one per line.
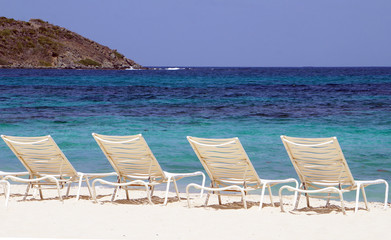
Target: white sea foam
(174,68)
(133,69)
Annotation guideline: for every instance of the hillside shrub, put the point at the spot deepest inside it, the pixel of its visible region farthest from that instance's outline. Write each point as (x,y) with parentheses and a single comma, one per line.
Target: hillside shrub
(118,55)
(44,63)
(3,62)
(89,62)
(5,32)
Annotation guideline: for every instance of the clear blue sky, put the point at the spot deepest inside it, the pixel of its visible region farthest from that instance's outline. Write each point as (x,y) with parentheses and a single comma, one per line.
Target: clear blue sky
(226,32)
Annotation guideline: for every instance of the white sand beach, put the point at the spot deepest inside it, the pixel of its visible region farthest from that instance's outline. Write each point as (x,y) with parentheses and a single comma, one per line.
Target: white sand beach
(136,219)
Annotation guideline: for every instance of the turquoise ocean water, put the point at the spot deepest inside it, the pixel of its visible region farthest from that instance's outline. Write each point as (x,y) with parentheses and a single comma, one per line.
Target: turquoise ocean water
(255,104)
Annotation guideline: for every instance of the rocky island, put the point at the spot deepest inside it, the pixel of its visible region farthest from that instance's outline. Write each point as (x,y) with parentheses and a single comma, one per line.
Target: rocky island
(39,44)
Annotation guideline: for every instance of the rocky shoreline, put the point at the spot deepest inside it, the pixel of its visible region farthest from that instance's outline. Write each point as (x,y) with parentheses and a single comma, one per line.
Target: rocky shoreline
(39,44)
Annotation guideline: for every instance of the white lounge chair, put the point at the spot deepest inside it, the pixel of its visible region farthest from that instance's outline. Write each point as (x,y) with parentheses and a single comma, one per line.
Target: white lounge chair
(322,168)
(136,165)
(229,169)
(46,165)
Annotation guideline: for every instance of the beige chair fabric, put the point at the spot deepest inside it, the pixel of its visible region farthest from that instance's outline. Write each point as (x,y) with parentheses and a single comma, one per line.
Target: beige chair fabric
(136,165)
(46,164)
(229,169)
(322,168)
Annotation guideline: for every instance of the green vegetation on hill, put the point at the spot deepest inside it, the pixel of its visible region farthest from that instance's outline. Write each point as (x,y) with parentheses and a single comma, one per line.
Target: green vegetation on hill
(3,62)
(89,62)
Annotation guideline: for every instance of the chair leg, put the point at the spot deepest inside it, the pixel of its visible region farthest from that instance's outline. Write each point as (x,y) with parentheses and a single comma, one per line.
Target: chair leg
(79,188)
(127,193)
(7,190)
(115,189)
(40,192)
(167,190)
(365,197)
(386,195)
(148,194)
(297,200)
(58,189)
(114,194)
(219,196)
(27,191)
(152,190)
(203,185)
(306,196)
(328,200)
(262,195)
(342,204)
(94,192)
(126,190)
(208,195)
(187,192)
(281,201)
(357,197)
(207,199)
(270,194)
(244,199)
(187,196)
(176,188)
(88,186)
(295,197)
(68,189)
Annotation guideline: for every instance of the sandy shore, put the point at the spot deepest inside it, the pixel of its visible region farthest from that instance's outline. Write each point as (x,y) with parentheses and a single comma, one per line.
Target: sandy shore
(136,219)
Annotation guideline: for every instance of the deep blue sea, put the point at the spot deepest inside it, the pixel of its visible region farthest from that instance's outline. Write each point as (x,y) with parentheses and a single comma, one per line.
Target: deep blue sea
(255,104)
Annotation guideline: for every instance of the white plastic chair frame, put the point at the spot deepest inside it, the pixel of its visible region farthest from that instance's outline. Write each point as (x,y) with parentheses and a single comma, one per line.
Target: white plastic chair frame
(118,185)
(46,165)
(322,168)
(6,187)
(16,174)
(135,165)
(6,184)
(229,169)
(328,190)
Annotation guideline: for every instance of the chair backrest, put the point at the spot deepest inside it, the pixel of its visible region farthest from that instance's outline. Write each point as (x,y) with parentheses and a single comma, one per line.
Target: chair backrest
(130,156)
(318,161)
(40,156)
(225,161)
